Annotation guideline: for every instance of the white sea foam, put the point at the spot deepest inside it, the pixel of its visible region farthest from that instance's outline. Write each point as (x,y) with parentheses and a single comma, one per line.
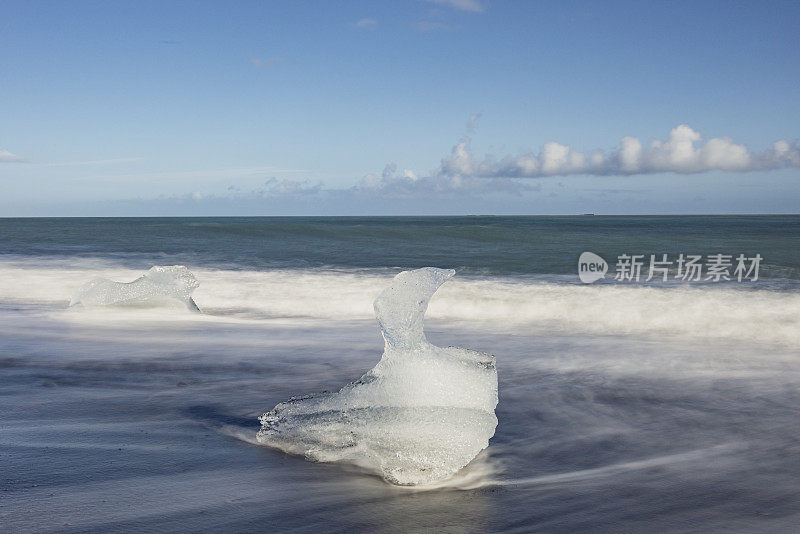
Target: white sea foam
(505,304)
(418,417)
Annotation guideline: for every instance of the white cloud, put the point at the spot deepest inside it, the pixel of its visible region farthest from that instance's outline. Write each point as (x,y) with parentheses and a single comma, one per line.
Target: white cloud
(407,184)
(209,175)
(475,6)
(89,163)
(274,187)
(8,157)
(683,152)
(366,23)
(473,121)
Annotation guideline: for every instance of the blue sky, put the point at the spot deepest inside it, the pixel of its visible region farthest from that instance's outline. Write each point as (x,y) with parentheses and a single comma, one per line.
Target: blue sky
(417,107)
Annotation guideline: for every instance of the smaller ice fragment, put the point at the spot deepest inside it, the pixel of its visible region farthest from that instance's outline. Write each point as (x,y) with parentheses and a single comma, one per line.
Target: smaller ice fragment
(158,286)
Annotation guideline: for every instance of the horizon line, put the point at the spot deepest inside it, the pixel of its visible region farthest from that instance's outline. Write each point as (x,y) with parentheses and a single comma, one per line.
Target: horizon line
(2,217)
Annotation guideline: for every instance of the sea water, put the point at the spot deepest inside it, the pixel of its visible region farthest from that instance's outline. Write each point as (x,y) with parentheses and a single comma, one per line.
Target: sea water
(623,406)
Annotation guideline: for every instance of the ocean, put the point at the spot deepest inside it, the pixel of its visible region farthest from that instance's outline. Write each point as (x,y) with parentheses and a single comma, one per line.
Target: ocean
(625,405)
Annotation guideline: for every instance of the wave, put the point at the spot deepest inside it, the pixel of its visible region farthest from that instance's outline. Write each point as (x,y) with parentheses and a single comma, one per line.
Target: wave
(544,305)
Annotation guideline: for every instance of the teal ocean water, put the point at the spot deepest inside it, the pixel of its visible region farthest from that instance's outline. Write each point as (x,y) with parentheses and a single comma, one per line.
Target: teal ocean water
(625,405)
(482,245)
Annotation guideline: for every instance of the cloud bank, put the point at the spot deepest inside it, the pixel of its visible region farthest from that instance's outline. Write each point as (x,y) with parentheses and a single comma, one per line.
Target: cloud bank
(461,176)
(683,152)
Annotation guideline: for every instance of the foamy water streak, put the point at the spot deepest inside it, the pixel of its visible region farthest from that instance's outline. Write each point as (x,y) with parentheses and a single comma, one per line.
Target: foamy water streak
(497,303)
(691,459)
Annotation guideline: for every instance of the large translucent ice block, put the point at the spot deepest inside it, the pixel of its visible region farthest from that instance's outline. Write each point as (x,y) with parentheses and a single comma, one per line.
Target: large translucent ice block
(419,416)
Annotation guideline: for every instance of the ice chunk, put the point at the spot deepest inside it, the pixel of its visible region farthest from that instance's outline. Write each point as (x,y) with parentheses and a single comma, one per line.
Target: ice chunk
(160,285)
(419,416)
